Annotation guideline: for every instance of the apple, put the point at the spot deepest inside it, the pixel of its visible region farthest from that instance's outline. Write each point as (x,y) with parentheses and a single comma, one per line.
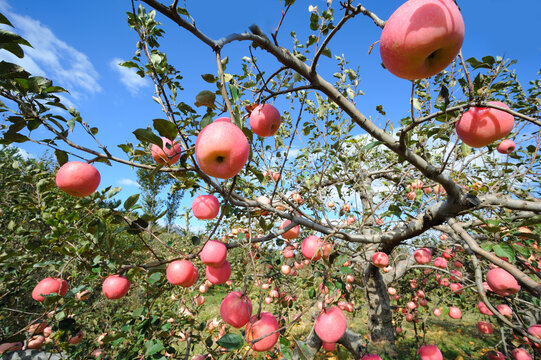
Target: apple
(265,326)
(380,259)
(236,309)
(371,357)
(221,150)
(437,312)
(447,253)
(77,338)
(199,300)
(37,328)
(311,247)
(496,355)
(350,278)
(182,272)
(168,153)
(505,310)
(12,346)
(346,207)
(507,146)
(455,313)
(205,207)
(480,126)
(483,309)
(265,120)
(218,275)
(423,302)
(422,256)
(440,262)
(276,176)
(398,330)
(411,305)
(82,295)
(421,38)
(329,346)
(485,327)
(409,317)
(330,204)
(286,269)
(501,282)
(330,325)
(115,286)
(292,233)
(48,286)
(48,331)
(456,288)
(458,264)
(297,198)
(77,178)
(535,330)
(268,300)
(214,253)
(35,342)
(411,195)
(520,354)
(391,291)
(429,352)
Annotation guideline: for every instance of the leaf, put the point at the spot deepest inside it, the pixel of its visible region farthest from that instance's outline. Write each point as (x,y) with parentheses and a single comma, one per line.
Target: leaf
(234,92)
(132,200)
(207,119)
(373,144)
(165,128)
(10,70)
(304,352)
(147,136)
(4,20)
(154,278)
(314,21)
(284,348)
(231,341)
(153,347)
(504,250)
(326,52)
(61,157)
(209,78)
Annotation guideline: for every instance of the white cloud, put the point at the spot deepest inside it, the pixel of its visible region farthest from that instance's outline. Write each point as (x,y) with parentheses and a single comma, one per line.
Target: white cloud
(51,57)
(128,182)
(129,77)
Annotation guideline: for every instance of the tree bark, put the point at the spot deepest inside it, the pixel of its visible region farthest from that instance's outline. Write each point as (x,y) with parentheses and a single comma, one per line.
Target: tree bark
(380,316)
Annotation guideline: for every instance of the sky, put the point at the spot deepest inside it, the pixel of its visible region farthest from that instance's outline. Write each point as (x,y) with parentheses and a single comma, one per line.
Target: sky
(78,45)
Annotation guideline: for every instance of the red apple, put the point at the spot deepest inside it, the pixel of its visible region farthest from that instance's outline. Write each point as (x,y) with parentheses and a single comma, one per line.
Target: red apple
(265,120)
(380,259)
(507,146)
(505,310)
(391,291)
(292,233)
(409,317)
(205,207)
(480,126)
(311,247)
(329,346)
(483,309)
(221,150)
(456,288)
(236,309)
(214,253)
(437,312)
(430,352)
(440,262)
(331,324)
(371,357)
(535,330)
(48,286)
(485,327)
(199,300)
(267,327)
(182,272)
(422,256)
(11,346)
(77,338)
(77,178)
(411,195)
(219,275)
(496,355)
(285,269)
(520,354)
(330,204)
(455,313)
(115,286)
(421,38)
(502,283)
(223,118)
(35,342)
(448,253)
(168,154)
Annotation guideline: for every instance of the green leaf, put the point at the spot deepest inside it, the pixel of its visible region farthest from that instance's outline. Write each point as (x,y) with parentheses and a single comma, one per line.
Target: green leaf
(132,200)
(153,347)
(147,136)
(504,250)
(326,52)
(4,20)
(234,92)
(38,84)
(165,128)
(182,11)
(61,157)
(373,144)
(154,278)
(284,348)
(207,119)
(314,21)
(9,70)
(209,78)
(231,341)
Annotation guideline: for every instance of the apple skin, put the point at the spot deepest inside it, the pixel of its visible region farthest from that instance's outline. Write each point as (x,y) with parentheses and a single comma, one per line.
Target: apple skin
(430,352)
(520,354)
(223,118)
(115,287)
(437,312)
(77,178)
(329,346)
(214,253)
(455,313)
(421,38)
(11,346)
(218,275)
(292,233)
(501,282)
(422,256)
(505,310)
(236,309)
(480,126)
(265,120)
(166,156)
(182,272)
(380,259)
(371,357)
(331,325)
(257,328)
(507,146)
(535,330)
(35,342)
(205,207)
(48,286)
(311,248)
(221,150)
(496,355)
(485,327)
(440,262)
(483,309)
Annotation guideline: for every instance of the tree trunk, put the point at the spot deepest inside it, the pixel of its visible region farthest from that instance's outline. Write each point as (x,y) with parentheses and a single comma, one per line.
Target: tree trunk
(380,316)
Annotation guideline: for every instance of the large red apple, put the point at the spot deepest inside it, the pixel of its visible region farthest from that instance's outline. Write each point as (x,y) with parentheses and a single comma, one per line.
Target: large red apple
(455,313)
(421,38)
(48,286)
(236,309)
(77,178)
(182,272)
(422,256)
(501,282)
(205,207)
(535,330)
(331,325)
(214,253)
(311,247)
(485,327)
(440,262)
(292,233)
(267,327)
(371,357)
(168,154)
(380,259)
(520,354)
(115,286)
(483,309)
(505,310)
(480,126)
(430,352)
(218,275)
(496,355)
(265,120)
(221,150)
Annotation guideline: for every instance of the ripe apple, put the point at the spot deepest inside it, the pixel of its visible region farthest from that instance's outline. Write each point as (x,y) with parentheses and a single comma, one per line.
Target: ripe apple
(219,275)
(168,154)
(214,253)
(421,38)
(236,309)
(480,126)
(411,305)
(267,327)
(505,310)
(501,282)
(221,150)
(422,256)
(483,309)
(37,328)
(330,204)
(205,207)
(350,278)
(77,178)
(223,118)
(437,312)
(456,288)
(48,286)
(77,338)
(286,269)
(35,342)
(496,355)
(11,346)
(182,272)
(346,207)
(455,313)
(115,286)
(535,330)
(409,317)
(199,300)
(429,352)
(485,327)
(380,259)
(423,302)
(448,253)
(371,357)
(331,324)
(507,146)
(329,346)
(520,354)
(440,262)
(311,247)
(265,120)
(411,195)
(292,233)
(391,291)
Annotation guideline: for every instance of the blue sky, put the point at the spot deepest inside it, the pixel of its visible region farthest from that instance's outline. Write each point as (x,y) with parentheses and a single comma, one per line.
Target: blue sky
(78,44)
